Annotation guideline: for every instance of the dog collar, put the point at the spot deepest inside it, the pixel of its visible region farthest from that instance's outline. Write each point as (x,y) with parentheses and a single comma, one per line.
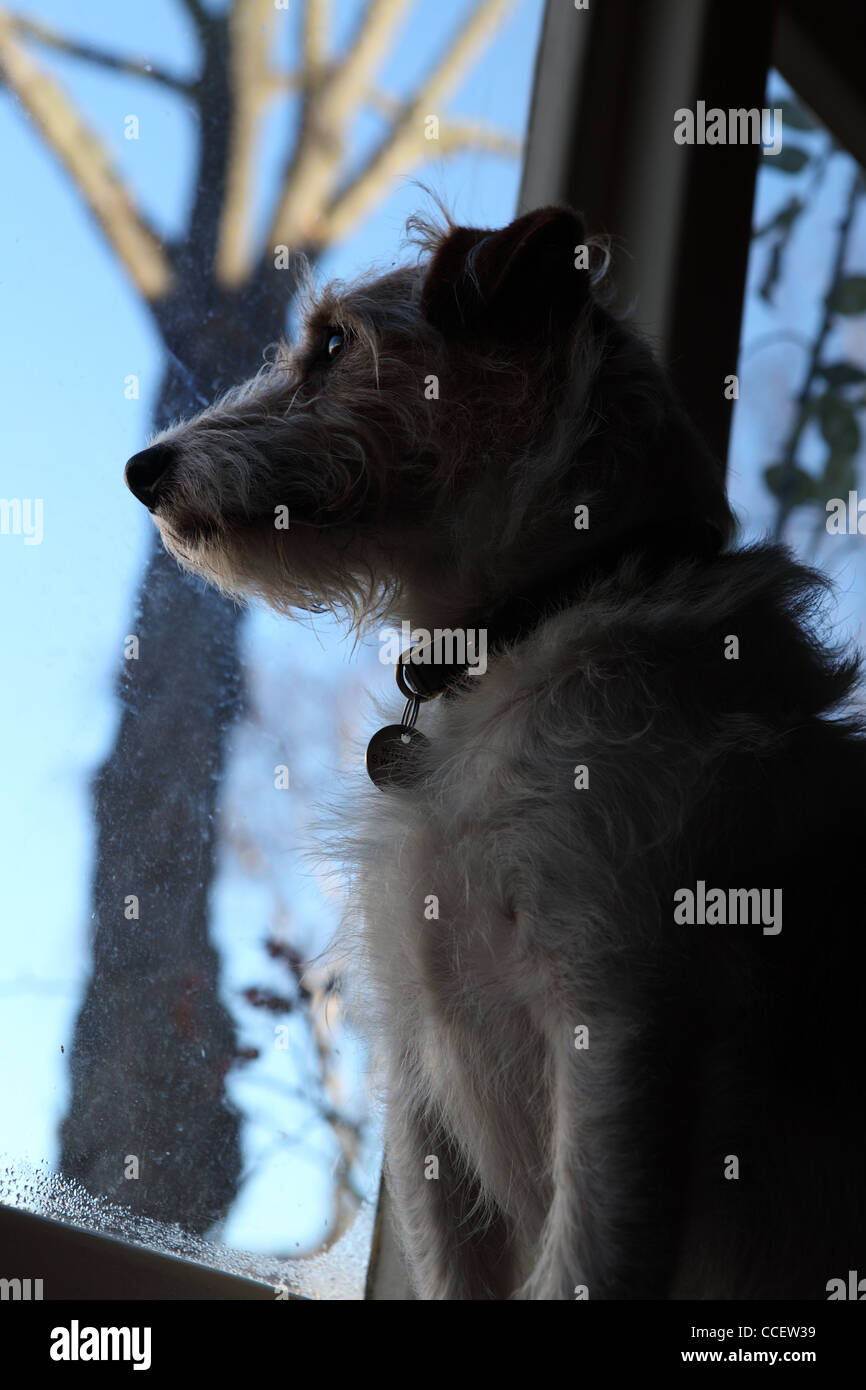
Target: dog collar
(392,752)
(423,674)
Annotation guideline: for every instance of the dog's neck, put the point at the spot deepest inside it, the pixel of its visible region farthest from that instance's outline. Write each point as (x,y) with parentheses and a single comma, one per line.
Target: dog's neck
(430,668)
(511,618)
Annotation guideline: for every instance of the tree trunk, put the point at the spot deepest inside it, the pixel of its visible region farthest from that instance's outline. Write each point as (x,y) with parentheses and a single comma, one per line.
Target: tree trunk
(153,1042)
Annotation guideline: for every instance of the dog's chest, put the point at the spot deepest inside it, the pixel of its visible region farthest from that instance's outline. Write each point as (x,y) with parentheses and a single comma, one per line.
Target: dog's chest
(439,918)
(447,947)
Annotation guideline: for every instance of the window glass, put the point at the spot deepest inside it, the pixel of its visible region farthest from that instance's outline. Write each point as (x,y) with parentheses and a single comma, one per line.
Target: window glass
(796,456)
(178,1069)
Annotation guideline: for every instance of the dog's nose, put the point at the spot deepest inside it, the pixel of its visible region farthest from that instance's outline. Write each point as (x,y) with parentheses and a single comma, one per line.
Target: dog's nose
(147,472)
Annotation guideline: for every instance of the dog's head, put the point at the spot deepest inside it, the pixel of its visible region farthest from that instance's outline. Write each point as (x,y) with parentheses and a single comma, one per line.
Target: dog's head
(443,435)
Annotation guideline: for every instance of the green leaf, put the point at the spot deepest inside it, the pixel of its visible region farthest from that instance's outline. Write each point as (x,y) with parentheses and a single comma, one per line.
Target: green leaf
(840,475)
(790,484)
(842,374)
(789,160)
(838,423)
(796,116)
(849,295)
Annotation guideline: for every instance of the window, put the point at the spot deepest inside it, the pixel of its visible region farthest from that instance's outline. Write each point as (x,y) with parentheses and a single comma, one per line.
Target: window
(797,442)
(179,1078)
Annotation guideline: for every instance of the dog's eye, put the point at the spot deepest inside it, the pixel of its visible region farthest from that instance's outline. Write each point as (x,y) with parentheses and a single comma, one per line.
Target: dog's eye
(336,342)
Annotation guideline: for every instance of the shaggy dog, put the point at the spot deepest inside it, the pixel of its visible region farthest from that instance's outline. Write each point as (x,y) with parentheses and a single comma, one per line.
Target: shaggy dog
(608,888)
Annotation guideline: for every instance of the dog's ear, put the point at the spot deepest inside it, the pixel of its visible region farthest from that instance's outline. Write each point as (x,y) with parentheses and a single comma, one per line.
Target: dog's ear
(527,279)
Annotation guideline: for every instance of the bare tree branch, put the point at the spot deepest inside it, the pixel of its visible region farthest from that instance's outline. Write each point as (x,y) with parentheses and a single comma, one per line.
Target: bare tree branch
(405,145)
(463,135)
(315,37)
(324,1011)
(287,83)
(313,170)
(385,103)
(30,29)
(81,153)
(349,80)
(250,31)
(197,13)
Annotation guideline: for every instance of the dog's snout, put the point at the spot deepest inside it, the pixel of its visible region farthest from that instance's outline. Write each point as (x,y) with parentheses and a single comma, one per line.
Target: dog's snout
(147,472)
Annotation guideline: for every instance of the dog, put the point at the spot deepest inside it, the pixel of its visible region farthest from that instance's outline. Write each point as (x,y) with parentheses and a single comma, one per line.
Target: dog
(608,890)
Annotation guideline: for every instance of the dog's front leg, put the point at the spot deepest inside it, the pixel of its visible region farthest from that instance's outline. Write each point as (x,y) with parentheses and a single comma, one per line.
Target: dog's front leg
(454,1238)
(618,1150)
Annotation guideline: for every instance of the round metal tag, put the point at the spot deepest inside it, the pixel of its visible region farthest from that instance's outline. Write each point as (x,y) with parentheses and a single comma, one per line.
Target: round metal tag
(390,755)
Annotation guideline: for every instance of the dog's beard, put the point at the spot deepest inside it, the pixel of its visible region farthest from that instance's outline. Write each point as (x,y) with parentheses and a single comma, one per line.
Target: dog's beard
(197,545)
(303,569)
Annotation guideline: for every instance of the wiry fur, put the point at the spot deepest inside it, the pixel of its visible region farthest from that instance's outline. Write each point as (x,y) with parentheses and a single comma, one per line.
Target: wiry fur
(562,1167)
